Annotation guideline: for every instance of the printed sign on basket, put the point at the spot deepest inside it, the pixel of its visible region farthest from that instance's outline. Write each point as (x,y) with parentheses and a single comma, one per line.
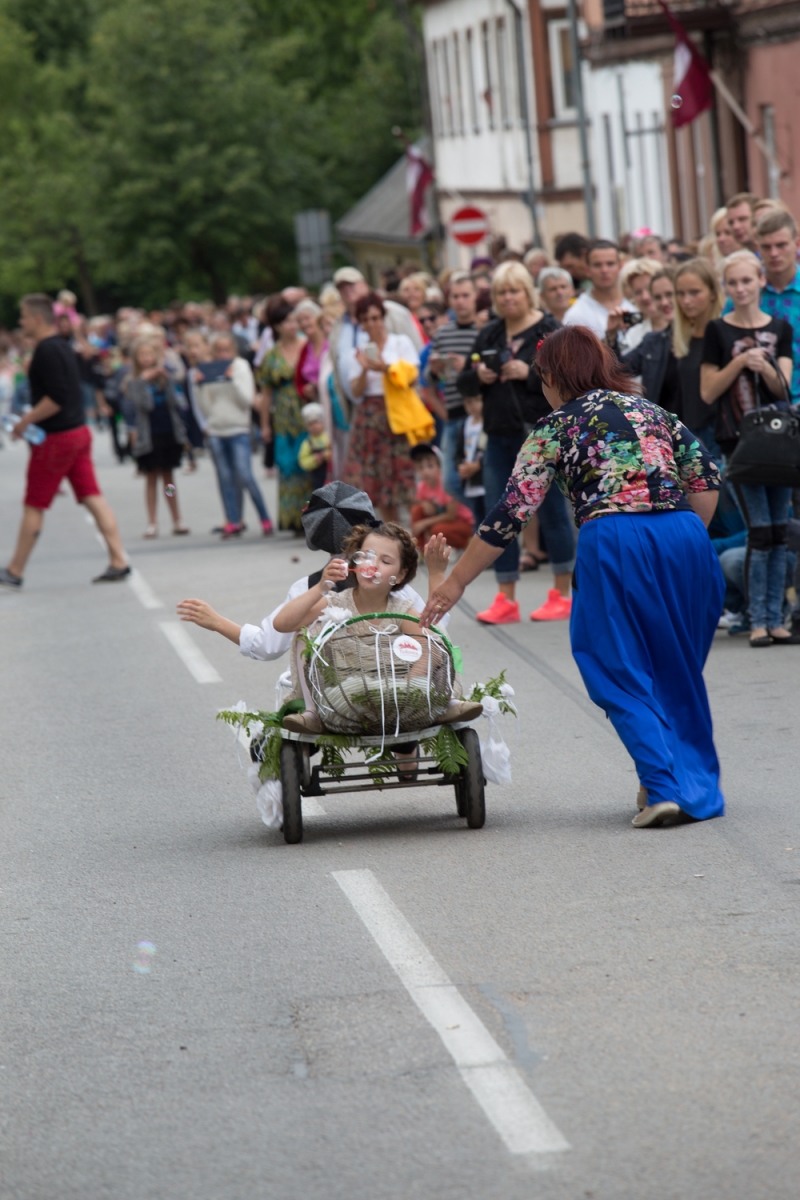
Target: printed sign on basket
(406,648)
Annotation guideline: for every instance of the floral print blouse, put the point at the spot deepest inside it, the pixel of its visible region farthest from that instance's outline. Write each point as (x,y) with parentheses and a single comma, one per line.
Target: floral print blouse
(607,453)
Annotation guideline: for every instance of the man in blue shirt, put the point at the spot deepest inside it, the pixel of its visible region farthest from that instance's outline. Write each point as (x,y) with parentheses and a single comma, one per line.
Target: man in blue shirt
(776,237)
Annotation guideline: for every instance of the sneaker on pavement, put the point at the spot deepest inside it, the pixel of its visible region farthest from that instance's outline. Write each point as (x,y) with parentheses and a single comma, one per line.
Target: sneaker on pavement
(555,608)
(231,530)
(727,619)
(665,813)
(112,575)
(9,580)
(501,611)
(267,528)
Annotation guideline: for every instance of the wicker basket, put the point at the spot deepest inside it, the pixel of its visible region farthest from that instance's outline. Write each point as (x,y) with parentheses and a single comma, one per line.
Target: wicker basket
(360,686)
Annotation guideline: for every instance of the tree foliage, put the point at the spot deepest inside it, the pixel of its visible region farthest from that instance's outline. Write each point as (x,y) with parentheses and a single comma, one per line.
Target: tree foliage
(159,148)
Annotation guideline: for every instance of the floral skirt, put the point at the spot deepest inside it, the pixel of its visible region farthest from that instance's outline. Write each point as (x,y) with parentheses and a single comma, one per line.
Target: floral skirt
(378,461)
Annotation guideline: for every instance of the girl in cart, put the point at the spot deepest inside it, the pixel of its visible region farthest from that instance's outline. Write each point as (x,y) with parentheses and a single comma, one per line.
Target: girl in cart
(384,560)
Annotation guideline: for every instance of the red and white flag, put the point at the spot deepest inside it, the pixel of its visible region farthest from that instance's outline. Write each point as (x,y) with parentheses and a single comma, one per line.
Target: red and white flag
(693,90)
(419,176)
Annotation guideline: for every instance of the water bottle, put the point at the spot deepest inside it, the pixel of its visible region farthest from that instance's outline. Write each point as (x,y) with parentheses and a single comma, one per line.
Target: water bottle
(32,434)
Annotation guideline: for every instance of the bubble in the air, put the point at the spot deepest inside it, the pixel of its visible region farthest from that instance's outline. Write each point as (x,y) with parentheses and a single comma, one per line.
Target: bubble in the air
(170,490)
(676,101)
(145,951)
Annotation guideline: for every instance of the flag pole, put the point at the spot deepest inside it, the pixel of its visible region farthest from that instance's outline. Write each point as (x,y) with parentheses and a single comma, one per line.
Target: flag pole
(744,120)
(588,194)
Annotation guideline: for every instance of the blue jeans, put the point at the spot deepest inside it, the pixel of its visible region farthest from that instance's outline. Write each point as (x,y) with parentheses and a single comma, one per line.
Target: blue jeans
(234,470)
(766,512)
(451,479)
(498,463)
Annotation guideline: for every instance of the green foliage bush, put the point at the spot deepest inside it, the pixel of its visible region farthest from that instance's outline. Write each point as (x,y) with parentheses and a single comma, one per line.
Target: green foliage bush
(158,149)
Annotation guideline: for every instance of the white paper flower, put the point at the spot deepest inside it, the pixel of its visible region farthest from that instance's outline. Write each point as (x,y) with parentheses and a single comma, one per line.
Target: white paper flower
(506,689)
(491,707)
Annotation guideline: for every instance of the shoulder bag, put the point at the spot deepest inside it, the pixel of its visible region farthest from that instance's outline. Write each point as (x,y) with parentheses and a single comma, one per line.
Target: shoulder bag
(768,450)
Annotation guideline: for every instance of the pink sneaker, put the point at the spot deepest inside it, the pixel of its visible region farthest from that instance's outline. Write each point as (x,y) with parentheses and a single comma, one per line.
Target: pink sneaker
(231,529)
(267,528)
(501,611)
(555,608)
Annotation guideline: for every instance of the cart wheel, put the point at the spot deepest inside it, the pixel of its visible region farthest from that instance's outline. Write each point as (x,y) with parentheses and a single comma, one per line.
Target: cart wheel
(461,803)
(290,785)
(469,789)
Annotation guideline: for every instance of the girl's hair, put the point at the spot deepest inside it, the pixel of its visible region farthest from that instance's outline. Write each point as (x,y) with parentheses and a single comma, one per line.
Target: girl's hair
(409,556)
(663,272)
(371,300)
(637,266)
(579,362)
(224,337)
(139,343)
(719,216)
(513,273)
(741,256)
(681,327)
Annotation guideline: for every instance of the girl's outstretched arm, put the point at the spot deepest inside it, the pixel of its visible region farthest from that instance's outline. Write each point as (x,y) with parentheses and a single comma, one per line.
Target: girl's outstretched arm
(203,614)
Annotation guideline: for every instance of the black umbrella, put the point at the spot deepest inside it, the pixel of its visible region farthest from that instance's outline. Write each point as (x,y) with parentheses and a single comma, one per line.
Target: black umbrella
(332,512)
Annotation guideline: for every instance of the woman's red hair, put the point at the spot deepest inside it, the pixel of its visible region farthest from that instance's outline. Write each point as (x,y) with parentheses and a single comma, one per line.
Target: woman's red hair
(578,363)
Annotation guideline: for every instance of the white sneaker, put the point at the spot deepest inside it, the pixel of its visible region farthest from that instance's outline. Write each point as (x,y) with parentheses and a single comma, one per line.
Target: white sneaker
(727,619)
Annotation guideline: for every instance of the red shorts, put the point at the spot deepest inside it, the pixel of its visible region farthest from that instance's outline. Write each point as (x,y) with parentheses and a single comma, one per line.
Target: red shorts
(66,455)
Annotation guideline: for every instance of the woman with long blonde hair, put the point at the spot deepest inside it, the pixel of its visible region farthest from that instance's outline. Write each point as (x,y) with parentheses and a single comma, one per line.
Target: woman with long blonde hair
(698,300)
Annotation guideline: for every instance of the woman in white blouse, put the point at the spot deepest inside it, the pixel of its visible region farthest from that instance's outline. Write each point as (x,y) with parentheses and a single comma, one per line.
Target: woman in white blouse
(378,460)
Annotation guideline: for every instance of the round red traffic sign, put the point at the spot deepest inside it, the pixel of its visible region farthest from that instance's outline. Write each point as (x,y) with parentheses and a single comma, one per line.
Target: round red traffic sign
(469,225)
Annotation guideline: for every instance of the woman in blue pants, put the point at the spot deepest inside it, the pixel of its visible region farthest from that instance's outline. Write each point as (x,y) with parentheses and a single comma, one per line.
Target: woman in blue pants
(648,588)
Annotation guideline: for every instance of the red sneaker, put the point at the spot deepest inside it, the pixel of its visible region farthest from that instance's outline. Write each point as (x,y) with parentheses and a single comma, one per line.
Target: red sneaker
(555,608)
(501,611)
(267,528)
(231,529)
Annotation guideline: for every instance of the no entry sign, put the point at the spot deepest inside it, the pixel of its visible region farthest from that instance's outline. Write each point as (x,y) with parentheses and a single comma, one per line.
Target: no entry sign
(469,225)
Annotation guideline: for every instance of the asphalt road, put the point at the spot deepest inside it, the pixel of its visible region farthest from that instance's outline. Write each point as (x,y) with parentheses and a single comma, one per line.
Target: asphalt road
(399,1007)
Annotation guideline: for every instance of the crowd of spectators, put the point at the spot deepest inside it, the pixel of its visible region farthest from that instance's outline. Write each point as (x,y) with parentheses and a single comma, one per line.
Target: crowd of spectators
(344,383)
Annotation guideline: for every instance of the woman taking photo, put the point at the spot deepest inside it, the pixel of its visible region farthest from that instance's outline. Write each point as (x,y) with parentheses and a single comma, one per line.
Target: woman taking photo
(378,461)
(280,413)
(747,363)
(649,587)
(513,401)
(652,360)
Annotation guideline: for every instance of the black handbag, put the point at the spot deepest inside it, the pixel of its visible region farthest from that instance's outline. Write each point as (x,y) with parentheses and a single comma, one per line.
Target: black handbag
(768,450)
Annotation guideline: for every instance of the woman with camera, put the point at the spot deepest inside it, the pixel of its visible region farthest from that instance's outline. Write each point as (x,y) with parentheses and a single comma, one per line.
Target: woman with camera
(500,368)
(653,359)
(747,364)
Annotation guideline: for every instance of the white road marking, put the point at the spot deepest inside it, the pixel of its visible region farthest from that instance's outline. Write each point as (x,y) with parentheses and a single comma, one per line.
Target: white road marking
(190,655)
(89,519)
(142,591)
(506,1100)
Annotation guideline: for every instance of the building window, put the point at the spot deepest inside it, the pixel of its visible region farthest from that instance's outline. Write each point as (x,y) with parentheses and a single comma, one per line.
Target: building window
(435,91)
(473,95)
(459,91)
(562,70)
(445,93)
(502,71)
(488,94)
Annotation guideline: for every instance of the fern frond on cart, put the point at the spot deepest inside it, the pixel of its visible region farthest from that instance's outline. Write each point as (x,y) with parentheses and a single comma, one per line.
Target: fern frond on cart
(446,748)
(333,747)
(498,689)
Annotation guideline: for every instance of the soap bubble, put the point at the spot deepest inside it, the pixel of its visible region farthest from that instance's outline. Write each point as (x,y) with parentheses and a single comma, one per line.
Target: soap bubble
(144,962)
(364,558)
(170,490)
(676,101)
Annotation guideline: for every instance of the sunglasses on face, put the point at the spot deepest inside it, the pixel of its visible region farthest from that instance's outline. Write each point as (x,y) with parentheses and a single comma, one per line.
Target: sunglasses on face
(427,320)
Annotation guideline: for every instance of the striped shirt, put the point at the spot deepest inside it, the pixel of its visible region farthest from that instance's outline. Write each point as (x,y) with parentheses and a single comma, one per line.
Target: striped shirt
(454,339)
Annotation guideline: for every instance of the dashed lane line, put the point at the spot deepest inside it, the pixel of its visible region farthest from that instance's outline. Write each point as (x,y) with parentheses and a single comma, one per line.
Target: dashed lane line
(142,590)
(505,1098)
(189,653)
